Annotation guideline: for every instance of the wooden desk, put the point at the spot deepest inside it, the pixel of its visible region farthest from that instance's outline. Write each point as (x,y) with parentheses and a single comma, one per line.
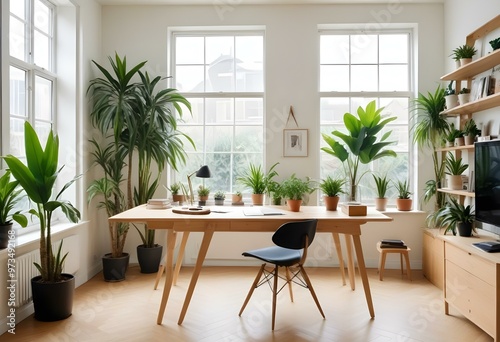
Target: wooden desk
(234,220)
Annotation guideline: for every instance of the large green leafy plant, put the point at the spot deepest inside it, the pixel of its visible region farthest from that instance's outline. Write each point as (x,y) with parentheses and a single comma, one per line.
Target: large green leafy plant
(132,116)
(429,127)
(10,195)
(361,144)
(38,178)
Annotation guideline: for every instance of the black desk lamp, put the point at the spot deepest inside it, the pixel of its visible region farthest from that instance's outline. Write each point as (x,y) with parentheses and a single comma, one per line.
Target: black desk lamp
(203,172)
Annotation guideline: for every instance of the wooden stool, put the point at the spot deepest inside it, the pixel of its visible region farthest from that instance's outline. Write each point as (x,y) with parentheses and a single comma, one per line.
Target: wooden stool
(401,251)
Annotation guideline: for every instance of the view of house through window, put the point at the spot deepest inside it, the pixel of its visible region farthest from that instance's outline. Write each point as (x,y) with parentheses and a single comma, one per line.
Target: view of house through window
(355,69)
(222,76)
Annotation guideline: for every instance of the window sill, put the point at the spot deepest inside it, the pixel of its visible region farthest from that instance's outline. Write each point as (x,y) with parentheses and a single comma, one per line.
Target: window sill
(32,238)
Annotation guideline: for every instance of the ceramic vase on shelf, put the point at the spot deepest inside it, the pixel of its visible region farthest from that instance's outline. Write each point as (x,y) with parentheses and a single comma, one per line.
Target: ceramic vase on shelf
(451,101)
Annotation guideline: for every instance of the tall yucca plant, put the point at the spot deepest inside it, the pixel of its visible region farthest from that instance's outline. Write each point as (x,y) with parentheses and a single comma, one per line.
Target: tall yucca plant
(360,145)
(38,178)
(429,127)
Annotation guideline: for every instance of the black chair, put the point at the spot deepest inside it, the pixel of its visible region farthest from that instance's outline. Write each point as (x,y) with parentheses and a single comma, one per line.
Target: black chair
(292,240)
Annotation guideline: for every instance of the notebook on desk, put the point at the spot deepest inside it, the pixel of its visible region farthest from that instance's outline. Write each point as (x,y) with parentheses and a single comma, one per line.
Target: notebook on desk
(254,211)
(488,246)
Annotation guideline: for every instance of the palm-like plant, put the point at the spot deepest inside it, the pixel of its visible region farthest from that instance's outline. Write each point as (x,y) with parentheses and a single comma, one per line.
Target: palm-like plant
(403,189)
(361,142)
(37,178)
(382,184)
(255,179)
(429,127)
(332,186)
(450,215)
(455,166)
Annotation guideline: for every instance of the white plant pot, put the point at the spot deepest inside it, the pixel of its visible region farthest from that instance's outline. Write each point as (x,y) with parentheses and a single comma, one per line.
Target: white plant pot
(455,182)
(451,101)
(465,61)
(463,98)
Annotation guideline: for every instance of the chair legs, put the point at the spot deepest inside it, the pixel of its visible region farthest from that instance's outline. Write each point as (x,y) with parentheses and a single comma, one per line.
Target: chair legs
(275,290)
(252,288)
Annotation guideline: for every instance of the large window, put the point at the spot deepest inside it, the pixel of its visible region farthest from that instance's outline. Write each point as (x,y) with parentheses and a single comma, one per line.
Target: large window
(222,75)
(32,81)
(356,68)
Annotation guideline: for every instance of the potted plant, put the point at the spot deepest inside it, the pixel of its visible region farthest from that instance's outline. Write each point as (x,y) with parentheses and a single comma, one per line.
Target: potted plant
(452,136)
(404,201)
(255,179)
(464,96)
(332,188)
(450,97)
(429,127)
(382,185)
(362,144)
(10,195)
(495,43)
(454,169)
(274,190)
(236,198)
(142,122)
(179,192)
(464,54)
(203,193)
(52,290)
(470,132)
(294,189)
(456,216)
(219,197)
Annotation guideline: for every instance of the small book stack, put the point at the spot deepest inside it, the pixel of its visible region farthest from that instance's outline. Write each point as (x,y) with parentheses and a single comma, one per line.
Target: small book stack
(158,204)
(392,243)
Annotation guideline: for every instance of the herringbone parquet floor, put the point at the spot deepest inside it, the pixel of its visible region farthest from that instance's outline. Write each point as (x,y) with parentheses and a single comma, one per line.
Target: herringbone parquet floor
(126,311)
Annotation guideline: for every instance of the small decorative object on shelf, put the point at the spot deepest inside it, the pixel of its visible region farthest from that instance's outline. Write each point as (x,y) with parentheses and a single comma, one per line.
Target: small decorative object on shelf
(464,54)
(464,96)
(470,132)
(450,97)
(495,43)
(454,169)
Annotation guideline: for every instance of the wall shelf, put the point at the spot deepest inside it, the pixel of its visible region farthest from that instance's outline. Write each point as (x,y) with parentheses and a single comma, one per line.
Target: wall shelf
(464,193)
(456,148)
(475,67)
(484,103)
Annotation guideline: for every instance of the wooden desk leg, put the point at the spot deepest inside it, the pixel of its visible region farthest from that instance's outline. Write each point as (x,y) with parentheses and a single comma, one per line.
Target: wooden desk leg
(162,266)
(180,256)
(362,271)
(336,241)
(207,237)
(169,274)
(350,262)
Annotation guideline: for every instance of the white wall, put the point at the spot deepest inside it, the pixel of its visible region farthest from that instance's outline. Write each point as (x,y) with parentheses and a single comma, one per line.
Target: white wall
(291,55)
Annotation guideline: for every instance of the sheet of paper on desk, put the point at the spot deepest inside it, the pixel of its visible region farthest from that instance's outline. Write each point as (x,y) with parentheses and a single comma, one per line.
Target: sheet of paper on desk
(261,211)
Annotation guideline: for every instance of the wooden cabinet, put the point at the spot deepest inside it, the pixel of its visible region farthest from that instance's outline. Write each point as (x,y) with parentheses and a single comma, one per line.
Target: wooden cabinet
(471,282)
(432,258)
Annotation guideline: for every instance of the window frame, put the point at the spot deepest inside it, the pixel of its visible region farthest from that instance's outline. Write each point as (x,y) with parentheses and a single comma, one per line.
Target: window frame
(377,95)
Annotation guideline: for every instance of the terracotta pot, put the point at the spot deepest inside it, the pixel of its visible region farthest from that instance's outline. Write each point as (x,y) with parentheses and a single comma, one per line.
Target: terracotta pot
(236,198)
(294,205)
(404,204)
(459,141)
(258,199)
(381,203)
(179,198)
(331,202)
(465,61)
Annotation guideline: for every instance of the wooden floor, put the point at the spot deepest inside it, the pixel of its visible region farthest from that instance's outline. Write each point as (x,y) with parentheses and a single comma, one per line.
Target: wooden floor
(126,311)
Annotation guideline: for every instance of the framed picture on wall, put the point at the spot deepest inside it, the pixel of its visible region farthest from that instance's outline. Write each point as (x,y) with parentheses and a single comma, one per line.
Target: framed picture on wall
(295,142)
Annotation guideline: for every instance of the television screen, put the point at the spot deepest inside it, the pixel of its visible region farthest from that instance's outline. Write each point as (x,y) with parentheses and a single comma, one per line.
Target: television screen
(487,183)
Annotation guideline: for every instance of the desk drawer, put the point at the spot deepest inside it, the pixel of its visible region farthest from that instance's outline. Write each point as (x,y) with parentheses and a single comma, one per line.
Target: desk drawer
(471,263)
(474,298)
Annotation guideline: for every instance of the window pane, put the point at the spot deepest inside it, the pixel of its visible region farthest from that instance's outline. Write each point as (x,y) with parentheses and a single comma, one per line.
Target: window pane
(394,48)
(364,78)
(249,111)
(197,109)
(220,75)
(17,137)
(220,180)
(394,78)
(334,78)
(333,109)
(196,134)
(219,111)
(190,78)
(42,17)
(17,8)
(189,50)
(219,49)
(248,138)
(17,92)
(43,99)
(42,52)
(364,49)
(396,107)
(218,139)
(334,49)
(249,63)
(17,37)
(42,130)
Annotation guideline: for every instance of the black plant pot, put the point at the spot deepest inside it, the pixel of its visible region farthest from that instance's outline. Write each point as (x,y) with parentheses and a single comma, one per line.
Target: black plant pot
(149,258)
(4,235)
(53,301)
(464,229)
(114,269)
